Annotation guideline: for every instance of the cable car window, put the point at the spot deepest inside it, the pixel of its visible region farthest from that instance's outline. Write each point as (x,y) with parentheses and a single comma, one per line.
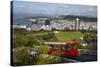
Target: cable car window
(66,46)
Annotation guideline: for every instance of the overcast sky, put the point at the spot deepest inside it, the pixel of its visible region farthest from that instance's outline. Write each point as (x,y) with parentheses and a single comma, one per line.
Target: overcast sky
(21,7)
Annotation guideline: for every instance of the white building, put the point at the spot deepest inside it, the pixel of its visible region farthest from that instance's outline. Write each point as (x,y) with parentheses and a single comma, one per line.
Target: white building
(72,25)
(88,25)
(19,26)
(46,27)
(61,24)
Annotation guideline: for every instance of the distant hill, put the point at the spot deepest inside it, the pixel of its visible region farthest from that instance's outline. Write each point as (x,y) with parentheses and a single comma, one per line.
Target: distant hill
(84,18)
(68,17)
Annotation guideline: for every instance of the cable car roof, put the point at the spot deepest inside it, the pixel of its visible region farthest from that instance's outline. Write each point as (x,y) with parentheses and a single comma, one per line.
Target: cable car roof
(62,43)
(72,43)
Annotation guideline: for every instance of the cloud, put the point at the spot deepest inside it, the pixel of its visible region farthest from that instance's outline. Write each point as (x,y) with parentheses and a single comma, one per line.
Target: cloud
(48,8)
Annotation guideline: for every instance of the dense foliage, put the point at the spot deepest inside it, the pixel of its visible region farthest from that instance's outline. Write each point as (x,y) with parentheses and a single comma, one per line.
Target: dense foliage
(24,41)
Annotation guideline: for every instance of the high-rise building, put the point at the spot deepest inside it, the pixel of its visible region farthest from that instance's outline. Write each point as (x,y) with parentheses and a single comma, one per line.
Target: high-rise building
(77,25)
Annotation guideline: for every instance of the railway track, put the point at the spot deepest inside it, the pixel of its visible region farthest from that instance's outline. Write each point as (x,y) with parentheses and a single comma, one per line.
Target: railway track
(67,60)
(80,58)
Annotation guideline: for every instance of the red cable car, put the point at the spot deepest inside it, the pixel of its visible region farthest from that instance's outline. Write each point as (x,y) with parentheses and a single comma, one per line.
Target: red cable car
(69,49)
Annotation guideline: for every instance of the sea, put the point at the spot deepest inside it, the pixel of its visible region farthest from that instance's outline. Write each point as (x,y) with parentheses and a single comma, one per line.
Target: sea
(23,19)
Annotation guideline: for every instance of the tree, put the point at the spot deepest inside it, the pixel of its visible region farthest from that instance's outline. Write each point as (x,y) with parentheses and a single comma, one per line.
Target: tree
(43,49)
(22,56)
(20,31)
(86,38)
(31,41)
(24,40)
(53,29)
(66,29)
(57,53)
(43,57)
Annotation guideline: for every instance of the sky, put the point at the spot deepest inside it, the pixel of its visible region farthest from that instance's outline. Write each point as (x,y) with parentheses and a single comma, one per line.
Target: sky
(33,8)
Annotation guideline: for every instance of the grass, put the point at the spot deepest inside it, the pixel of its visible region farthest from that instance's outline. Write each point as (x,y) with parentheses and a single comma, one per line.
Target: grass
(64,36)
(68,36)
